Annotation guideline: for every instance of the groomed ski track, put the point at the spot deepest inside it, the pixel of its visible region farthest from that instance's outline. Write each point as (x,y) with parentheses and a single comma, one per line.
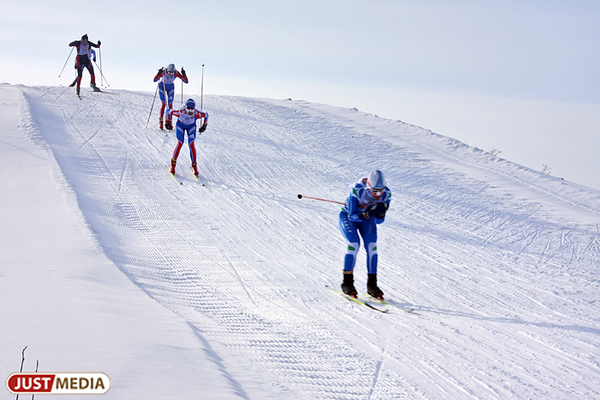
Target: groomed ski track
(501,263)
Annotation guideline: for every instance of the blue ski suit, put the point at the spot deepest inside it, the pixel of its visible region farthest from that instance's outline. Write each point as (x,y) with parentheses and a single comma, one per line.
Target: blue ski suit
(360,200)
(166,89)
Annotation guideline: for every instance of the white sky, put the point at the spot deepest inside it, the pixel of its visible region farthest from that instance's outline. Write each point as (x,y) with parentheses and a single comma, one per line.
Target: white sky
(517,76)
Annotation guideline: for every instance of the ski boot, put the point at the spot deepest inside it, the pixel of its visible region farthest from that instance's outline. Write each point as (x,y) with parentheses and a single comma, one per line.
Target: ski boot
(348,285)
(160,123)
(195,169)
(168,126)
(77,90)
(96,89)
(173,164)
(74,83)
(372,288)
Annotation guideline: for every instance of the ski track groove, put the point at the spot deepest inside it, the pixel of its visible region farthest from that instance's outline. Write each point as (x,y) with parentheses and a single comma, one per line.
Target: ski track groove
(228,284)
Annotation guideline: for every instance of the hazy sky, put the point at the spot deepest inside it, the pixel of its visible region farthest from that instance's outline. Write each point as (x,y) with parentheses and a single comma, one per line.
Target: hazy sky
(517,76)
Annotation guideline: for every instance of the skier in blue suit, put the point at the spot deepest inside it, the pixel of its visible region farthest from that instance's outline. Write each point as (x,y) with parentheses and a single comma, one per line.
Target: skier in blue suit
(166,91)
(367,205)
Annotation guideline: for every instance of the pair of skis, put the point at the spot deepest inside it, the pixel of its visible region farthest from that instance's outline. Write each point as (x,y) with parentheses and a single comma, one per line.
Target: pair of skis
(366,301)
(181,182)
(95,91)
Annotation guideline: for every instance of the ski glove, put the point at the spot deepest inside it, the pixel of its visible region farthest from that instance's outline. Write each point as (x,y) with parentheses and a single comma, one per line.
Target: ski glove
(161,70)
(183,72)
(99,43)
(377,211)
(202,128)
(380,210)
(367,214)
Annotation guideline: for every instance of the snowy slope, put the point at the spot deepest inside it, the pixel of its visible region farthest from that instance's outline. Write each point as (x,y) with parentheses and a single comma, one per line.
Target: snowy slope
(500,262)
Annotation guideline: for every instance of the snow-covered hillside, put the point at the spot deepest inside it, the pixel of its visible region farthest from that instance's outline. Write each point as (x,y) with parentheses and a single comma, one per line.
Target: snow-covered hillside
(218,292)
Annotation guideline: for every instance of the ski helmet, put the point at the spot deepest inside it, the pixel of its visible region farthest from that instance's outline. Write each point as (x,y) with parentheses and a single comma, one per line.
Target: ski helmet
(171,68)
(190,103)
(376,183)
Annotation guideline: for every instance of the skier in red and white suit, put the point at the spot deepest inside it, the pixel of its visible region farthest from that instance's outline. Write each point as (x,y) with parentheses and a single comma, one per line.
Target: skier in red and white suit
(186,124)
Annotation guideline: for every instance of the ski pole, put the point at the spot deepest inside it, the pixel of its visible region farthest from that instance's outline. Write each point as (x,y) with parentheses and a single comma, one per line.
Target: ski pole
(167,103)
(315,198)
(202,89)
(100,69)
(151,108)
(63,68)
(181,88)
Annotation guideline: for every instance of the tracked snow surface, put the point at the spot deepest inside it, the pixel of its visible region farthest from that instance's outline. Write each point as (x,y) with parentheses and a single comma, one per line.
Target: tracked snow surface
(175,290)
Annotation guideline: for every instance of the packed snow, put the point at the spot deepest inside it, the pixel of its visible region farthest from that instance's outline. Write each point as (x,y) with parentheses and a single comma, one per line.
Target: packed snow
(177,290)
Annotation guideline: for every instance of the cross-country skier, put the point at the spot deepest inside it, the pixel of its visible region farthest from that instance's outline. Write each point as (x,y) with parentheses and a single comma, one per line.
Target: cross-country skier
(92,56)
(166,90)
(83,61)
(186,124)
(367,204)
